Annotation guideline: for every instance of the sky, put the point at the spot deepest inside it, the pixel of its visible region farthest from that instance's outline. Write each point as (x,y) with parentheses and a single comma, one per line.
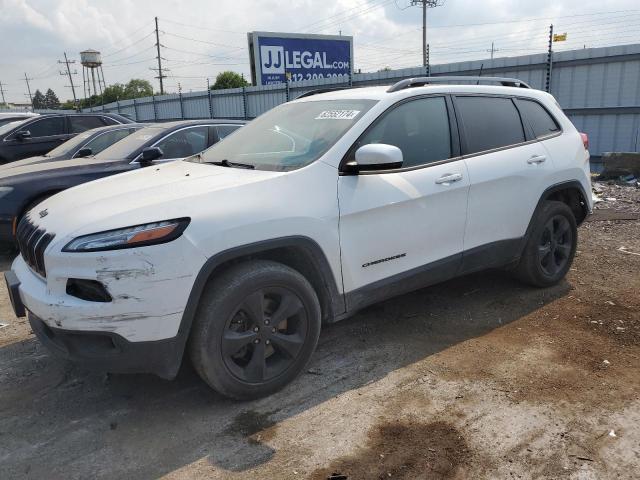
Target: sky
(201,38)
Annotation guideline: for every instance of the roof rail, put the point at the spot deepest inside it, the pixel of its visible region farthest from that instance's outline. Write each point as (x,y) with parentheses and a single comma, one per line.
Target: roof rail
(321,90)
(422,81)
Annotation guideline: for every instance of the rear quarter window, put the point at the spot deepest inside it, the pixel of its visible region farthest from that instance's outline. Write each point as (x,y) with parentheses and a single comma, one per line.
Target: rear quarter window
(540,120)
(489,122)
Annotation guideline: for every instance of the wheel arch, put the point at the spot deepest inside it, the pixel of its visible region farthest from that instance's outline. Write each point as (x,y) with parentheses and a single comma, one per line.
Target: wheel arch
(300,253)
(571,193)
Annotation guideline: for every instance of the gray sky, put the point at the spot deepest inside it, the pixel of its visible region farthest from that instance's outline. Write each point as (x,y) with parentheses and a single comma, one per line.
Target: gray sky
(204,37)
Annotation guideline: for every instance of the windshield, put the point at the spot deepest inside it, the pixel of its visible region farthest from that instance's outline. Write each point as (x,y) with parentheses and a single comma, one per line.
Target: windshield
(6,128)
(289,136)
(125,147)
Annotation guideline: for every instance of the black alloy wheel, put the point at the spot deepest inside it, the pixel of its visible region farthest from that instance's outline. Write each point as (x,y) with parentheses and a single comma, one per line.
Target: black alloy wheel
(555,246)
(265,334)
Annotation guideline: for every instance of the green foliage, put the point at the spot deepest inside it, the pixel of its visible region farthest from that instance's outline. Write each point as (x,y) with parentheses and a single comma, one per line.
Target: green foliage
(51,100)
(137,88)
(229,79)
(38,100)
(113,93)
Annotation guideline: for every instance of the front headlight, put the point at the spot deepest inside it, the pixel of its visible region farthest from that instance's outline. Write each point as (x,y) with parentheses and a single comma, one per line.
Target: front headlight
(4,191)
(130,237)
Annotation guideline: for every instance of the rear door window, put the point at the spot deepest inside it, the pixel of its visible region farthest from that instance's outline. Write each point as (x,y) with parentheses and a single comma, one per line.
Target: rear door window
(107,139)
(420,128)
(184,143)
(224,130)
(84,123)
(489,122)
(47,127)
(541,122)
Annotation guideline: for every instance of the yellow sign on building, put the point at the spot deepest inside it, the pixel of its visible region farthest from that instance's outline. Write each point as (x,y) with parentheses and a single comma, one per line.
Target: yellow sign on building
(560,37)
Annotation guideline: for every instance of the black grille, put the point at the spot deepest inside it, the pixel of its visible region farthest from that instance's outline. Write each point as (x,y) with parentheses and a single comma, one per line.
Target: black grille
(32,242)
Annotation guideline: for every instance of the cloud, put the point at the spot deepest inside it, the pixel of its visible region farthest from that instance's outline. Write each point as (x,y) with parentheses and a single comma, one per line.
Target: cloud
(203,37)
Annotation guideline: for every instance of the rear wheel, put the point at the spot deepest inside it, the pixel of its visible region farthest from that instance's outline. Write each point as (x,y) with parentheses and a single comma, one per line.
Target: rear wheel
(550,247)
(255,330)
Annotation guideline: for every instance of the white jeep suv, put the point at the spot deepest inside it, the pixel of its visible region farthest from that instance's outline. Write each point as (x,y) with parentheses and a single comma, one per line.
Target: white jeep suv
(314,210)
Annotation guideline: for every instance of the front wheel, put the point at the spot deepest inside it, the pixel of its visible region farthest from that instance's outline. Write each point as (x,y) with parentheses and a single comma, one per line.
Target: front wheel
(551,246)
(255,330)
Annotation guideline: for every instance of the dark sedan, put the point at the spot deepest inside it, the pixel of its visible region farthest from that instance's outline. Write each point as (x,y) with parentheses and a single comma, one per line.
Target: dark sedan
(22,188)
(7,117)
(82,145)
(38,135)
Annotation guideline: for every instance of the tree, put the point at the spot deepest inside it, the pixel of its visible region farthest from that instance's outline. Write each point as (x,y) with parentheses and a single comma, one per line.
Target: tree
(38,100)
(51,100)
(229,79)
(113,93)
(137,88)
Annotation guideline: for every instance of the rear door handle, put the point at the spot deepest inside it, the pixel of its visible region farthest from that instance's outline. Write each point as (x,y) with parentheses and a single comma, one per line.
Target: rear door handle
(537,159)
(449,178)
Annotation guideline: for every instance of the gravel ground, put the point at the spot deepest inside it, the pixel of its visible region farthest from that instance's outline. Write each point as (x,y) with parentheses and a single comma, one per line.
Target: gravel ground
(480,377)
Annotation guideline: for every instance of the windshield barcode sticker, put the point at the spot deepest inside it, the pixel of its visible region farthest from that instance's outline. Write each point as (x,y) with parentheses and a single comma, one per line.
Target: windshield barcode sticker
(338,115)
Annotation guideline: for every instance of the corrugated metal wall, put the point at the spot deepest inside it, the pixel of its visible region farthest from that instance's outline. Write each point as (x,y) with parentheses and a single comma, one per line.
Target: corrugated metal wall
(599,89)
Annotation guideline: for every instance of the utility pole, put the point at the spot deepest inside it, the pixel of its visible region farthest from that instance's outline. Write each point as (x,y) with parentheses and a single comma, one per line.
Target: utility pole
(425,4)
(2,92)
(73,87)
(160,76)
(493,50)
(26,79)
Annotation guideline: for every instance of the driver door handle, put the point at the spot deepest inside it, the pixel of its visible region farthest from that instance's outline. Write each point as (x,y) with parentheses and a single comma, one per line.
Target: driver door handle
(537,159)
(449,178)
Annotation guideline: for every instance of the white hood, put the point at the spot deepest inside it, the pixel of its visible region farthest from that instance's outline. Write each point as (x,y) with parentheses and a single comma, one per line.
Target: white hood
(151,194)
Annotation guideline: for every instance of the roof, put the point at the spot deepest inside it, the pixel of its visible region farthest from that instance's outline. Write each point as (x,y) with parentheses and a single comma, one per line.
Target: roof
(381,92)
(186,123)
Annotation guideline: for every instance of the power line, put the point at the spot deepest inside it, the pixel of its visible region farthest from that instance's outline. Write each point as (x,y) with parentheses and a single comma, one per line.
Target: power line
(129,45)
(339,14)
(203,28)
(351,17)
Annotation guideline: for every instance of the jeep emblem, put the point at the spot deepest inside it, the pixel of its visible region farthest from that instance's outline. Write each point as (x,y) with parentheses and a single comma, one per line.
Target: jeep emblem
(43,213)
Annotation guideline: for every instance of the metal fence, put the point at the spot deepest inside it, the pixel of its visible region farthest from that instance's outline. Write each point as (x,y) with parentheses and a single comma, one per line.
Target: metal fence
(599,89)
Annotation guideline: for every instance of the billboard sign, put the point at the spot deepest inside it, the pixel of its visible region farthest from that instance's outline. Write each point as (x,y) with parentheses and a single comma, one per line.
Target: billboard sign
(277,56)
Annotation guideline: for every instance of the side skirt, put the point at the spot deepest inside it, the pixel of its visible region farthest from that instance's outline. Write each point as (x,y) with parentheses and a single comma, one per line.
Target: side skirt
(492,255)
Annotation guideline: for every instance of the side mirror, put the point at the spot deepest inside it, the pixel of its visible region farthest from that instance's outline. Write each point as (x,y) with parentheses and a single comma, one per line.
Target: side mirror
(23,135)
(376,156)
(84,152)
(150,154)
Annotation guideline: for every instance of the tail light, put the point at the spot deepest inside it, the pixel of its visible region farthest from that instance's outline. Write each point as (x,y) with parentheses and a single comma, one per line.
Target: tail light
(585,140)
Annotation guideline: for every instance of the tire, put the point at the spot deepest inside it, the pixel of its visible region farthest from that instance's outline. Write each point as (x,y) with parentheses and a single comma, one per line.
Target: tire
(229,353)
(551,246)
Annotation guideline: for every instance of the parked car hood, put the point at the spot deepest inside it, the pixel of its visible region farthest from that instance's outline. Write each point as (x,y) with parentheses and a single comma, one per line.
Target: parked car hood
(155,193)
(26,162)
(32,167)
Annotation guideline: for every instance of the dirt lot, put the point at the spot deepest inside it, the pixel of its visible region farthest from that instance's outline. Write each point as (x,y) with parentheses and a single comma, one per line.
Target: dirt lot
(480,377)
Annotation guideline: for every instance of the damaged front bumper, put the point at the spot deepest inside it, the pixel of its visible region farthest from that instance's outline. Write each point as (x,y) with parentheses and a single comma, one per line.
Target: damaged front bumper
(136,329)
(108,352)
